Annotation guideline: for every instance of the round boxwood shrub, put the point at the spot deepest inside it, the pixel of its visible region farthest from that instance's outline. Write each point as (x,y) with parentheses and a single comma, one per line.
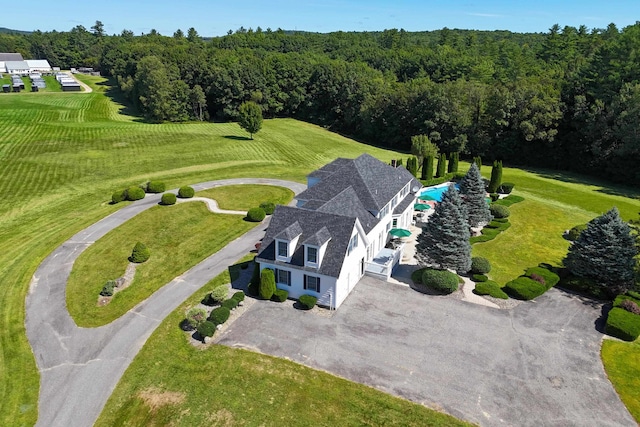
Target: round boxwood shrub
(440,280)
(268,207)
(490,288)
(168,199)
(267,284)
(206,329)
(479,278)
(575,231)
(186,192)
(480,265)
(140,253)
(229,303)
(195,316)
(108,288)
(256,214)
(307,302)
(219,315)
(135,193)
(499,211)
(118,196)
(155,187)
(280,295)
(238,296)
(506,188)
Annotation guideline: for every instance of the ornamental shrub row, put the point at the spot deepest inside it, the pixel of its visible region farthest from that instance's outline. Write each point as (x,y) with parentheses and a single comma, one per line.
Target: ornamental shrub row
(490,288)
(535,282)
(499,211)
(550,278)
(155,187)
(440,280)
(268,207)
(136,192)
(280,295)
(229,303)
(168,199)
(219,315)
(186,192)
(479,278)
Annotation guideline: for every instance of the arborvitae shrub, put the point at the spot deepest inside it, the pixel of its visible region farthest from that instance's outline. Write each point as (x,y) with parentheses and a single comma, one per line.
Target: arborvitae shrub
(196,316)
(499,211)
(412,165)
(490,288)
(427,168)
(155,187)
(219,294)
(442,165)
(168,199)
(267,283)
(480,265)
(478,161)
(307,302)
(440,280)
(206,329)
(453,162)
(256,214)
(118,196)
(140,253)
(230,303)
(398,163)
(268,207)
(238,296)
(186,192)
(135,193)
(108,288)
(575,231)
(496,177)
(506,188)
(219,315)
(280,295)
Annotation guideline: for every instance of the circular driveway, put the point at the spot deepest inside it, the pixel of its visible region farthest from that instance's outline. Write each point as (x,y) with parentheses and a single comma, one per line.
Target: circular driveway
(536,365)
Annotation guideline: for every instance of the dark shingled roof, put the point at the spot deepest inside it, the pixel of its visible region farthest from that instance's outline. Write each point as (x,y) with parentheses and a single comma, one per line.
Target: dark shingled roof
(338,227)
(329,168)
(347,203)
(291,232)
(404,203)
(321,237)
(374,182)
(11,57)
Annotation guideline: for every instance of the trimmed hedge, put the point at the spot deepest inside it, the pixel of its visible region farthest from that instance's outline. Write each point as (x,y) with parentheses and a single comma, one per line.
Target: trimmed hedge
(440,280)
(134,193)
(186,192)
(479,278)
(238,296)
(229,303)
(500,220)
(280,295)
(219,315)
(575,231)
(118,196)
(108,289)
(499,211)
(307,302)
(155,187)
(168,199)
(509,200)
(268,207)
(256,214)
(506,188)
(206,329)
(140,253)
(550,278)
(634,294)
(490,288)
(524,288)
(480,265)
(622,324)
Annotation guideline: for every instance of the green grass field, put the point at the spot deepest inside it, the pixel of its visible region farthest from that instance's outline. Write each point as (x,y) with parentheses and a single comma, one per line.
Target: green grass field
(622,362)
(245,197)
(62,155)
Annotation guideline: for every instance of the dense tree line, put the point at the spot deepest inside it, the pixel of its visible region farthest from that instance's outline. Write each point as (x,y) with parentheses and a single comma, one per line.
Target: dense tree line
(567,99)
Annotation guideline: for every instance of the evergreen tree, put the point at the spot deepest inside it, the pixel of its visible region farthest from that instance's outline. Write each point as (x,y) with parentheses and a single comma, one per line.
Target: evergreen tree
(442,165)
(444,241)
(250,117)
(605,252)
(478,161)
(427,167)
(422,148)
(453,162)
(412,165)
(473,197)
(496,176)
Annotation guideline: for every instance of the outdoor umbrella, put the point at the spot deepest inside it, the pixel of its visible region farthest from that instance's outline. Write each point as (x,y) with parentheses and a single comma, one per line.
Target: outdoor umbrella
(400,232)
(425,197)
(421,207)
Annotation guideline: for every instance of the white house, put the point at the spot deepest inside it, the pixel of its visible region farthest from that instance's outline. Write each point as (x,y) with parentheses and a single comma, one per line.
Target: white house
(339,229)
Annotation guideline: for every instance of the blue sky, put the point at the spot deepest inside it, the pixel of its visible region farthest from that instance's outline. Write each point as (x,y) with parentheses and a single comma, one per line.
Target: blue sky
(216,17)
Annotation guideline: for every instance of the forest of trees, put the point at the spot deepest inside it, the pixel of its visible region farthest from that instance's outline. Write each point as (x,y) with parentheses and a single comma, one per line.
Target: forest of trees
(567,99)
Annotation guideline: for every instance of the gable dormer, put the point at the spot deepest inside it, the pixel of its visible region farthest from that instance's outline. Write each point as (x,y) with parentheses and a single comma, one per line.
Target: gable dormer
(315,247)
(286,242)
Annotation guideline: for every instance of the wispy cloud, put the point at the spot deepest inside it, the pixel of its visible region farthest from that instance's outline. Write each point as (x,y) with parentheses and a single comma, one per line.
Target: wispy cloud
(486,15)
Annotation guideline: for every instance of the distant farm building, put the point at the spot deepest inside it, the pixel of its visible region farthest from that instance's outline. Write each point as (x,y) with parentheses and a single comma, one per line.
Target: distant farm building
(4,57)
(41,66)
(17,67)
(68,83)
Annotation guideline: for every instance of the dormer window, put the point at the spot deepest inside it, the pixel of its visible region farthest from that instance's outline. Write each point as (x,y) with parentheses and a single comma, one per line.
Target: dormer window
(283,249)
(312,255)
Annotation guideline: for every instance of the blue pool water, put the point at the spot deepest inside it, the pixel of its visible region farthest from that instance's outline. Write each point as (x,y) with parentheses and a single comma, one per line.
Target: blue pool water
(435,192)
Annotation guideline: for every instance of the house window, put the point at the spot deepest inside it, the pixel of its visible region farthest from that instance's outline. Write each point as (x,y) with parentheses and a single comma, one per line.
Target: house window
(353,243)
(283,277)
(395,222)
(312,283)
(283,249)
(312,255)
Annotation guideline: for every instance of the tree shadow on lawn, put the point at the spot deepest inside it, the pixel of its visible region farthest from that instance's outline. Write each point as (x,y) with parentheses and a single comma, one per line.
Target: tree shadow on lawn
(238,138)
(113,92)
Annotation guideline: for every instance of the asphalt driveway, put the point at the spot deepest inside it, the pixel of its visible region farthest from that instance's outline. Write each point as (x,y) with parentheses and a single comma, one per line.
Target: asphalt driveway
(535,365)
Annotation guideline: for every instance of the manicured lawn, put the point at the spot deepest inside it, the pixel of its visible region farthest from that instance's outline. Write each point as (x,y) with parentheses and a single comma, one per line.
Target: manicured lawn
(172,383)
(62,156)
(622,363)
(178,236)
(245,197)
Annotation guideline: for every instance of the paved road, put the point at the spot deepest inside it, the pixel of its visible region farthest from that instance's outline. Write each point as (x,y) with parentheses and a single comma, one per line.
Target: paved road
(535,365)
(80,367)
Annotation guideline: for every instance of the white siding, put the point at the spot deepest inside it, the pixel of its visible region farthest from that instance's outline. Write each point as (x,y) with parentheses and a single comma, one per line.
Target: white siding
(296,290)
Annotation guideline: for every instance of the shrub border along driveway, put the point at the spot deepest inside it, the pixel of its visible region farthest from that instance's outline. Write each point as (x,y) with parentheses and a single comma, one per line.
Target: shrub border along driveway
(80,367)
(538,364)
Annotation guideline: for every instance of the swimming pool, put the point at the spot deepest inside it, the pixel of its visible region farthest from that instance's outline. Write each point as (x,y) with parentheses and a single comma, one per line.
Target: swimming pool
(436,192)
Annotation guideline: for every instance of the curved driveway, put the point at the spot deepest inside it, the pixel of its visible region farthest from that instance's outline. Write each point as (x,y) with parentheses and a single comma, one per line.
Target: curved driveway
(80,367)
